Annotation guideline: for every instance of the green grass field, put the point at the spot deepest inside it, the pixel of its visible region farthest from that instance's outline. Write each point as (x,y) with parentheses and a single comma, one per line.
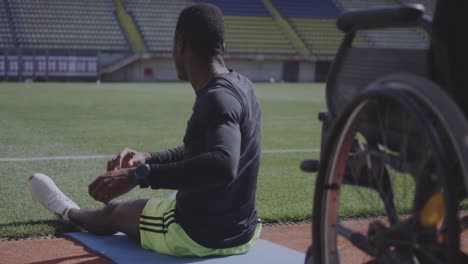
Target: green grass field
(68,119)
(82,119)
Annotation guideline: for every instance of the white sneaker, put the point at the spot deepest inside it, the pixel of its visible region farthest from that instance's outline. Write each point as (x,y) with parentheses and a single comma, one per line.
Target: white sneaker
(44,190)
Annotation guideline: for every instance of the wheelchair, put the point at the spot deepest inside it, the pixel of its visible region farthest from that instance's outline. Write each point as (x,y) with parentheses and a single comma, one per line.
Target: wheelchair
(395,141)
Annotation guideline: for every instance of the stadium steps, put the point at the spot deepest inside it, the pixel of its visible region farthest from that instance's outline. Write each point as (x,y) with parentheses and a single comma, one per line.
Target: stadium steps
(129,28)
(157,21)
(321,35)
(313,21)
(287,29)
(250,29)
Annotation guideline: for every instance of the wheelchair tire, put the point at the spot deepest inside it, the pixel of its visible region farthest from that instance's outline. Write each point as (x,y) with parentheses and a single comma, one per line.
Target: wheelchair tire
(438,173)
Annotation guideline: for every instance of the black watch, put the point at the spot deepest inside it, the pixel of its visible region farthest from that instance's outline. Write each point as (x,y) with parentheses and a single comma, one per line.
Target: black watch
(142,173)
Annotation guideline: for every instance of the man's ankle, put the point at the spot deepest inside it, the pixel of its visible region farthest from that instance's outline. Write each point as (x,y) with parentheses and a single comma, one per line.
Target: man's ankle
(71,214)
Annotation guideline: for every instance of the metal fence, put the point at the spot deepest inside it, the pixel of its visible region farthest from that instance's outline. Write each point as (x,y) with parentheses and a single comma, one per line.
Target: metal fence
(44,66)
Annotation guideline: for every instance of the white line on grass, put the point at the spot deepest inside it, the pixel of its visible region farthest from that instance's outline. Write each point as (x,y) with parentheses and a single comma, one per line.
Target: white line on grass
(276,151)
(58,158)
(91,157)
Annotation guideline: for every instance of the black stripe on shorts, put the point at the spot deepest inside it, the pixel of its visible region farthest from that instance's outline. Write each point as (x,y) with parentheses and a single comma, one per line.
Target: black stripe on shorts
(168,217)
(158,218)
(163,230)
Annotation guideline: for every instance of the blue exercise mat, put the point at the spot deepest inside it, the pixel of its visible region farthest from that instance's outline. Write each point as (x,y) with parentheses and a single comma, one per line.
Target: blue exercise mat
(120,249)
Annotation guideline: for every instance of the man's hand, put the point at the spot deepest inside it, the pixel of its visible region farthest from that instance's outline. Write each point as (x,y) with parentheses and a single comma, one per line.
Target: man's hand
(112,184)
(127,158)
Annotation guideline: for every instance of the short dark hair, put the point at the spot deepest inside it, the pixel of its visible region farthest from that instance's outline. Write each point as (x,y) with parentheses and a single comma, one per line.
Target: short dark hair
(202,27)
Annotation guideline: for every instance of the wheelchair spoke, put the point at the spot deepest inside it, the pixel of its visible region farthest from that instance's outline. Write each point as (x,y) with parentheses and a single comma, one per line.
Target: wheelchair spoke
(357,239)
(386,193)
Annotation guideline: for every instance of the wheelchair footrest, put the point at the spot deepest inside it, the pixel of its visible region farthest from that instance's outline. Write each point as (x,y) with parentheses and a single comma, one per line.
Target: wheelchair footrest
(310,166)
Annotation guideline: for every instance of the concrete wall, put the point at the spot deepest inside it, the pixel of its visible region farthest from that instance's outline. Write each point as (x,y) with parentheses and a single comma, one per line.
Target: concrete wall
(257,70)
(306,71)
(107,58)
(163,69)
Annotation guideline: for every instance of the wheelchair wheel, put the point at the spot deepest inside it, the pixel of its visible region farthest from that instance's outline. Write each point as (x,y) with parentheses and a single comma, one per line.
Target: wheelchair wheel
(398,155)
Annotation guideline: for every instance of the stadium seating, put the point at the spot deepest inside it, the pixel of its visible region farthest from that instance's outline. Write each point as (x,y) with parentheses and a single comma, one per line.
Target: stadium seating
(307,8)
(255,35)
(156,20)
(249,26)
(320,35)
(314,22)
(251,29)
(91,25)
(358,4)
(410,38)
(67,24)
(6,37)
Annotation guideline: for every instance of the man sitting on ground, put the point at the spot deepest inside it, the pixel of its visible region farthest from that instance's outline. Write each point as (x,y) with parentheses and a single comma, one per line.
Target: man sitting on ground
(215,170)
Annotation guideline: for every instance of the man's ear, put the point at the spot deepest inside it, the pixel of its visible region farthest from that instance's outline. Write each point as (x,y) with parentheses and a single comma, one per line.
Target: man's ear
(180,43)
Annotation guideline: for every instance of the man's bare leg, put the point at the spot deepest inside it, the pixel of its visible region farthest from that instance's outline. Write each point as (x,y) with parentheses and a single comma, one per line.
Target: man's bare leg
(114,217)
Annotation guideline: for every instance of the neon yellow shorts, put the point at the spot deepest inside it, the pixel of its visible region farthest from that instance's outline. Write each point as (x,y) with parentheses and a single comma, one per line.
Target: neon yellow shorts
(160,233)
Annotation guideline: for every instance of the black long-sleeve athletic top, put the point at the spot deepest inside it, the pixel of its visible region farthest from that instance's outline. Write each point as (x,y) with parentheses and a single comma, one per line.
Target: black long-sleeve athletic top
(215,170)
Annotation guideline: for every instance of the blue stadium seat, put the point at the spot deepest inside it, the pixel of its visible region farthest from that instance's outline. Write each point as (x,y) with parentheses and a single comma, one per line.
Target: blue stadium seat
(239,7)
(307,8)
(358,4)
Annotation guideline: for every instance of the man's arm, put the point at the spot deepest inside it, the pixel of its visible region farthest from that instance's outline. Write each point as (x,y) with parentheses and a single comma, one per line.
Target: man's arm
(215,167)
(208,170)
(166,156)
(128,158)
